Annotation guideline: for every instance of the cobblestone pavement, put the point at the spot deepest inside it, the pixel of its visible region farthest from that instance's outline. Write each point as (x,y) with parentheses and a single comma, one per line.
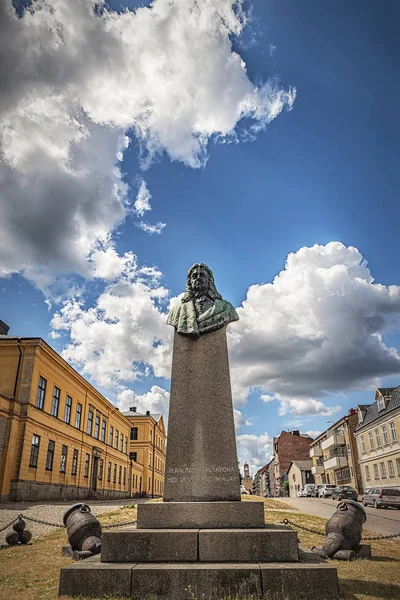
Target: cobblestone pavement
(52,512)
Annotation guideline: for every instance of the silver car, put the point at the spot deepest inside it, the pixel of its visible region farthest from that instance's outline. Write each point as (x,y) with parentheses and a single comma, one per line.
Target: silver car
(326,490)
(382,497)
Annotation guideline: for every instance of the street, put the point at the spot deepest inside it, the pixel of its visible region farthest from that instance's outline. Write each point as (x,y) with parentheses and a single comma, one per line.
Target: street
(384,521)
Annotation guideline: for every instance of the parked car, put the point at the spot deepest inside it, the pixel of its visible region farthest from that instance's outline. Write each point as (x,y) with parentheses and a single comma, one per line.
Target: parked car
(382,497)
(315,492)
(342,492)
(244,490)
(309,488)
(326,490)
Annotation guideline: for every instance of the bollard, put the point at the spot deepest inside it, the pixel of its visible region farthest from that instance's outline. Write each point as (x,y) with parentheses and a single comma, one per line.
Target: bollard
(84,530)
(343,531)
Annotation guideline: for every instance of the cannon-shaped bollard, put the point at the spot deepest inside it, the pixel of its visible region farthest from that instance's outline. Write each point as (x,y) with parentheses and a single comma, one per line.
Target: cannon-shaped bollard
(84,531)
(344,532)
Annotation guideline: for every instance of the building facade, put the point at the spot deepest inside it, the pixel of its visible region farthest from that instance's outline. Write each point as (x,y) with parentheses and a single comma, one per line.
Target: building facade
(299,474)
(289,446)
(334,454)
(60,439)
(378,434)
(261,482)
(147,449)
(247,478)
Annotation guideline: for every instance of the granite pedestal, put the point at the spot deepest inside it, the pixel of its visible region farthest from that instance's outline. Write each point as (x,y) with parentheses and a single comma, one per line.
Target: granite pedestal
(202,542)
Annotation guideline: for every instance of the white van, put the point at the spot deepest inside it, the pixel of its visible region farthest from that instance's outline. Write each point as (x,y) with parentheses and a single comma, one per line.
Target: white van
(309,488)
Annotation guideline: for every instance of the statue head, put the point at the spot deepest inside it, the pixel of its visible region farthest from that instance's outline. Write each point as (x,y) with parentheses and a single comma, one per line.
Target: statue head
(200,281)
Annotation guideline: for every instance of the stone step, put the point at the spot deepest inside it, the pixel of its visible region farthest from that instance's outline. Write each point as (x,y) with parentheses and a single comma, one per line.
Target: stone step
(309,579)
(271,543)
(200,515)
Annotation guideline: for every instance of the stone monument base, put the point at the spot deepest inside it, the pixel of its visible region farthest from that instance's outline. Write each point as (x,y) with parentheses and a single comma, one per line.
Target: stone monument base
(181,562)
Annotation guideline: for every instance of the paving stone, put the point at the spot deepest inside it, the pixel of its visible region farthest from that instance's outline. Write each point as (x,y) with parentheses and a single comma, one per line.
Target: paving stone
(150,545)
(200,515)
(270,544)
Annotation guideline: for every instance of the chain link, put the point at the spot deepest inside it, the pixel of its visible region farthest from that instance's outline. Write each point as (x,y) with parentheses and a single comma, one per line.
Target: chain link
(368,539)
(42,522)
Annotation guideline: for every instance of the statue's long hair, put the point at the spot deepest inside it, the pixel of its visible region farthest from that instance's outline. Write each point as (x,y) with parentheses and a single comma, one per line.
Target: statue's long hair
(212,290)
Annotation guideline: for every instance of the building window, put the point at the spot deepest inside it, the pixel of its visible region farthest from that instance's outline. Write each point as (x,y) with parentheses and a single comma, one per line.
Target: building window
(87,465)
(367,473)
(133,456)
(124,475)
(74,462)
(150,459)
(376,471)
(121,442)
(126,445)
(378,438)
(90,422)
(68,408)
(116,439)
(134,433)
(110,441)
(149,484)
(55,402)
(34,451)
(115,474)
(97,427)
(103,431)
(385,435)
(398,466)
(362,440)
(383,470)
(50,455)
(41,393)
(381,403)
(120,475)
(391,468)
(109,472)
(63,461)
(101,469)
(393,431)
(371,440)
(78,416)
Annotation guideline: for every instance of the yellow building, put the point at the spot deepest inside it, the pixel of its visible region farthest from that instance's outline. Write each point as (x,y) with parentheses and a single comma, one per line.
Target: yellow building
(378,436)
(147,448)
(334,454)
(59,437)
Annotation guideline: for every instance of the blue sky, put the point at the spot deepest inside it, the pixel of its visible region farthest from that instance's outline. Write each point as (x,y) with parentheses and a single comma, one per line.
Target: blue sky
(324,171)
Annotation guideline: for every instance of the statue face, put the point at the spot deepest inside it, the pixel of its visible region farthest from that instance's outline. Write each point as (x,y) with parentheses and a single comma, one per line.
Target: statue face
(199,280)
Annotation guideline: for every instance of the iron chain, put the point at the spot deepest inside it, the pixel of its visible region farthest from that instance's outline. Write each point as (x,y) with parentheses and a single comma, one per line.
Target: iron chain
(368,539)
(61,526)
(7,526)
(119,524)
(287,522)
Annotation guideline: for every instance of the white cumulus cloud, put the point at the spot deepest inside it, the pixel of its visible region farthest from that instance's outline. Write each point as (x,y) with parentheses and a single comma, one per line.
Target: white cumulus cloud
(318,328)
(142,202)
(256,450)
(75,78)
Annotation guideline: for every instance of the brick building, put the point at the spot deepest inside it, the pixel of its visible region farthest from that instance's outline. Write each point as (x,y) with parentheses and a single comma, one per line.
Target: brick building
(288,447)
(261,481)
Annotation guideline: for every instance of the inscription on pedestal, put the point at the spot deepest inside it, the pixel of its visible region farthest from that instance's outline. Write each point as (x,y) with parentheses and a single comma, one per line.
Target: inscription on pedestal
(213,474)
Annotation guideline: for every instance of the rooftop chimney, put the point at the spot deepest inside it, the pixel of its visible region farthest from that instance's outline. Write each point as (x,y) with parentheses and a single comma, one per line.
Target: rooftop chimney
(147,413)
(132,408)
(296,432)
(352,411)
(4,328)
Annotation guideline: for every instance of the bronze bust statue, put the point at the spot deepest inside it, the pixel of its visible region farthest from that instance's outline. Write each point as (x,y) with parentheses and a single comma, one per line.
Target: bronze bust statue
(202,308)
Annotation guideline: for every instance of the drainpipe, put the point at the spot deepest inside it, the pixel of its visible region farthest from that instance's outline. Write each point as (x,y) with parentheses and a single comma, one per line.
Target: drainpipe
(154,458)
(18,368)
